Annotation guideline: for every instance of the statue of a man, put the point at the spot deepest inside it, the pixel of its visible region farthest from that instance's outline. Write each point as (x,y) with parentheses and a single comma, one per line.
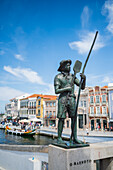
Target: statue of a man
(64,85)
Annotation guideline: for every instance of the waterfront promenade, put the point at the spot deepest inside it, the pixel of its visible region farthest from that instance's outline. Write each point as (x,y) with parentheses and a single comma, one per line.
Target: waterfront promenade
(51,130)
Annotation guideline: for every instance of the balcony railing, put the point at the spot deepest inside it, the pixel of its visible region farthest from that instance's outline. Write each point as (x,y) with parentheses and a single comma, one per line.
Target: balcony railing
(50,117)
(103,102)
(31,107)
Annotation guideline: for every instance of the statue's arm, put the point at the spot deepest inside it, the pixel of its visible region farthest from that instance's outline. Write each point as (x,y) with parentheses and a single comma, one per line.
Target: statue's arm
(60,90)
(77,82)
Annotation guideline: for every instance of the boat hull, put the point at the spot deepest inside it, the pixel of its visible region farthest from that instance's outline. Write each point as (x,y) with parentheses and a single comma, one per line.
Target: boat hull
(21,133)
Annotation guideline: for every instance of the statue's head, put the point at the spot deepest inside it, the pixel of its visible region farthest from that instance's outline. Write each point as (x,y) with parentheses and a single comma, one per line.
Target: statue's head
(65,65)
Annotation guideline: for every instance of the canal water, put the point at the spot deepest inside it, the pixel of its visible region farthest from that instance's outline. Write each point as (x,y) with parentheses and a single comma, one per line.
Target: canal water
(42,140)
(18,140)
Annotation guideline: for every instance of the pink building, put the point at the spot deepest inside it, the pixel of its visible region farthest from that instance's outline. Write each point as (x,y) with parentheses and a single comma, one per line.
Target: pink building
(98,108)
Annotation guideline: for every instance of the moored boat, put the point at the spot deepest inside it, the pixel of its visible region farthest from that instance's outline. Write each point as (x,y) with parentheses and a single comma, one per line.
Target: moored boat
(20,132)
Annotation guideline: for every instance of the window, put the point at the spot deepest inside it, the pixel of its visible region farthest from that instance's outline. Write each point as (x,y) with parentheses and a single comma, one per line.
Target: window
(54,113)
(50,103)
(38,112)
(34,112)
(39,102)
(92,110)
(97,110)
(47,113)
(91,99)
(97,99)
(23,104)
(54,104)
(47,104)
(34,104)
(84,103)
(103,98)
(81,103)
(30,104)
(104,110)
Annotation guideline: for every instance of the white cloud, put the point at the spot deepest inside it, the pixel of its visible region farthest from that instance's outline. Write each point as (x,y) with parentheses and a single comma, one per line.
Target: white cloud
(25,74)
(100,80)
(107,10)
(7,93)
(19,57)
(85,43)
(85,16)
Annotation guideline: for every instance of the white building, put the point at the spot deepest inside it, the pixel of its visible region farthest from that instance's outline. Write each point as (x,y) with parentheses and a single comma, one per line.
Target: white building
(12,109)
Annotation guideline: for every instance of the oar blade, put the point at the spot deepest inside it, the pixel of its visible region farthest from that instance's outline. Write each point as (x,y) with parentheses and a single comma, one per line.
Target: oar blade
(77,66)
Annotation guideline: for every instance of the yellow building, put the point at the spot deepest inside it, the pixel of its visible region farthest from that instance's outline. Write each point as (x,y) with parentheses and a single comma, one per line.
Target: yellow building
(40,104)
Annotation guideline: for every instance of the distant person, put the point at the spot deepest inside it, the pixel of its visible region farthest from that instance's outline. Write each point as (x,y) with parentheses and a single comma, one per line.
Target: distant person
(105,128)
(87,131)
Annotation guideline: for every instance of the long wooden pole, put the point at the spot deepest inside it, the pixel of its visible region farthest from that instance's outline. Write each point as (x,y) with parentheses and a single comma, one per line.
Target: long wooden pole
(75,118)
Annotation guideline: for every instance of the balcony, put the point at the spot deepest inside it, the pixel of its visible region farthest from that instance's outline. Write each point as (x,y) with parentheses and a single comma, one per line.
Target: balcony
(104,102)
(50,117)
(91,103)
(104,115)
(91,115)
(32,107)
(97,103)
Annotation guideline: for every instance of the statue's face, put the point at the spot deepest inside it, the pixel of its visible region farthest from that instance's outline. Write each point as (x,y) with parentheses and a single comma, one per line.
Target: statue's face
(67,67)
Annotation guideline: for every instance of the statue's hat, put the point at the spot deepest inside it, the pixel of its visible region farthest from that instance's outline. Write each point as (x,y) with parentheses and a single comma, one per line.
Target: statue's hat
(62,63)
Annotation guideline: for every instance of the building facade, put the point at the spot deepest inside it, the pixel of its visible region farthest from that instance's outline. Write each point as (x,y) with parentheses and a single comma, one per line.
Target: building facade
(34,106)
(83,118)
(12,109)
(82,113)
(43,111)
(50,112)
(110,96)
(98,108)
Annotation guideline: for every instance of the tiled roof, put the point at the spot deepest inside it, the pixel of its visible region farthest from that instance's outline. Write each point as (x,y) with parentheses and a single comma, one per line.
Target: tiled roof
(105,87)
(49,97)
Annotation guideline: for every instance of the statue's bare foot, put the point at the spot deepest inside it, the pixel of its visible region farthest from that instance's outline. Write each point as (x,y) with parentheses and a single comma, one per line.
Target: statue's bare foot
(76,141)
(60,141)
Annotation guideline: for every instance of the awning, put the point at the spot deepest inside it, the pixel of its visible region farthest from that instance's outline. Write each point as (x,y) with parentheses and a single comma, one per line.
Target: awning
(24,121)
(14,117)
(35,120)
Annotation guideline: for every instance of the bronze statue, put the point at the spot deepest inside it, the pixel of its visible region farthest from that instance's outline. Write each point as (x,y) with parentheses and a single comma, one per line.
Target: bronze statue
(64,85)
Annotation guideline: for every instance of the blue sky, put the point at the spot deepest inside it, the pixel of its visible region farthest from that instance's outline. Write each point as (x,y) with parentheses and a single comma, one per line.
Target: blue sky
(36,35)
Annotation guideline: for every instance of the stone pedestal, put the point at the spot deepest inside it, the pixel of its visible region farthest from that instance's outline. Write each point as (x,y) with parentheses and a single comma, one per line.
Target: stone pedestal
(69,159)
(87,158)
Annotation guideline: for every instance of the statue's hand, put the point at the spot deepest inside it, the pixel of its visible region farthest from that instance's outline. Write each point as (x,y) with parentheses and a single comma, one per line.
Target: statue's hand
(82,76)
